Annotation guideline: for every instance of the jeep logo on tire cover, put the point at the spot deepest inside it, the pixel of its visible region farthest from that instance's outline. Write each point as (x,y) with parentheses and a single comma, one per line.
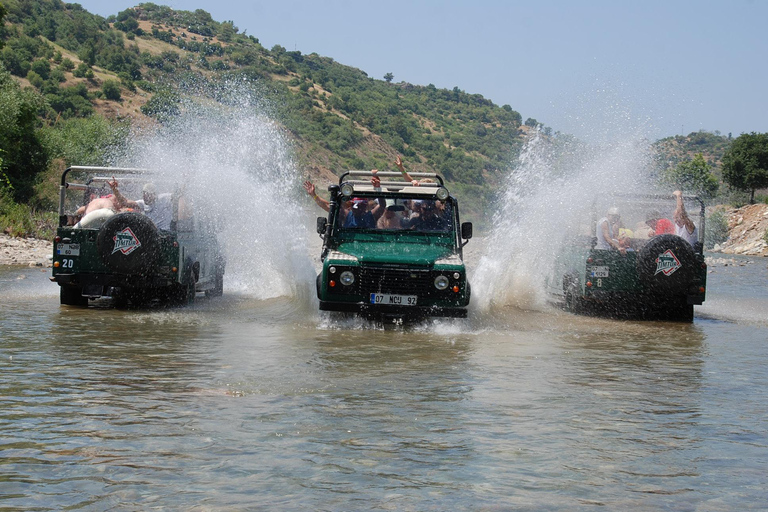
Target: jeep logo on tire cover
(125,241)
(667,263)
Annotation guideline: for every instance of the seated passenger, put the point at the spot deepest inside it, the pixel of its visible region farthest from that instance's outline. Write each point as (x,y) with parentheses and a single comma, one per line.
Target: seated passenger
(392,217)
(607,238)
(360,216)
(158,207)
(658,224)
(428,220)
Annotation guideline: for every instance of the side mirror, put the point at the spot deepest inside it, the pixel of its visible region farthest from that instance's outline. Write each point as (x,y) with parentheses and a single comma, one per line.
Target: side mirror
(466,230)
(321,223)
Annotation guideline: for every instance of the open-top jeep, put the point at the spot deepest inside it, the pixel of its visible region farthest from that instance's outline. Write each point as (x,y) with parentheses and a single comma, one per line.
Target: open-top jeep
(393,251)
(120,253)
(649,276)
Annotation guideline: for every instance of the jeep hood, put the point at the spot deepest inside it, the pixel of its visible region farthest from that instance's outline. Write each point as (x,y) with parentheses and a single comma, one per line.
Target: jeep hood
(395,252)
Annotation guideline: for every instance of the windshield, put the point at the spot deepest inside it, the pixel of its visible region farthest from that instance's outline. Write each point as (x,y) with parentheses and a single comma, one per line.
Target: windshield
(379,214)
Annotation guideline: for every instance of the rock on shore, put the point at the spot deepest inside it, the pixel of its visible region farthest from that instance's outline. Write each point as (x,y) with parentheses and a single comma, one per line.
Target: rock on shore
(746,227)
(30,252)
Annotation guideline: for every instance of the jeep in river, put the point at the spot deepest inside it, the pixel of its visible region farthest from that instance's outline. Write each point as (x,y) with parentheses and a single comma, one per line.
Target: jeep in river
(648,272)
(393,251)
(121,253)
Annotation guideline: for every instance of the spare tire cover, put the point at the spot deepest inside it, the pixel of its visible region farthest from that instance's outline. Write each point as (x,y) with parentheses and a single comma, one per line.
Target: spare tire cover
(129,243)
(666,264)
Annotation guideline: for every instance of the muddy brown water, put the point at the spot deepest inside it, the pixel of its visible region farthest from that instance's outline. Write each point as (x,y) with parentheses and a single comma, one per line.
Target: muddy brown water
(245,404)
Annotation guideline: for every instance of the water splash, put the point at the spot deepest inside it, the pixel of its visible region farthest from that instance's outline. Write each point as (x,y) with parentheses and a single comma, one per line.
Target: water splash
(237,160)
(547,197)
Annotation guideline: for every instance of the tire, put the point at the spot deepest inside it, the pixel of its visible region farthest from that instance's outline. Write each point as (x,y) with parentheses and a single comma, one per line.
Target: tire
(677,311)
(672,279)
(183,294)
(128,243)
(573,302)
(218,287)
(72,296)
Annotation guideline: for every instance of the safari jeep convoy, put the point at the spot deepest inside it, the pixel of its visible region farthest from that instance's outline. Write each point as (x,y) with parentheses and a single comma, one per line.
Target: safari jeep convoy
(652,274)
(393,251)
(121,253)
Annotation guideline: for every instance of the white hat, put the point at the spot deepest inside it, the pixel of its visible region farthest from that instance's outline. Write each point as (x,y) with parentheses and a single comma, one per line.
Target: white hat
(613,210)
(150,188)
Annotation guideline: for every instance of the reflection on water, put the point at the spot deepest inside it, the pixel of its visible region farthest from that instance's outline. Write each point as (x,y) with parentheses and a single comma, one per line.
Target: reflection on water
(242,403)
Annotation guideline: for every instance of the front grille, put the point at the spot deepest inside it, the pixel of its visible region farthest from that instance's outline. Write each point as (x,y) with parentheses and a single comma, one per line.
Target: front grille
(402,281)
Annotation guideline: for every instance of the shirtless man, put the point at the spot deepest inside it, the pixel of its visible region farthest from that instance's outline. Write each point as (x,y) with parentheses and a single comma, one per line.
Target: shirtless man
(684,226)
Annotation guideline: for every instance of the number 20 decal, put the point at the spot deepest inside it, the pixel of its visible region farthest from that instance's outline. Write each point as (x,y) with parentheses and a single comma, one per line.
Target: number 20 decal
(67,263)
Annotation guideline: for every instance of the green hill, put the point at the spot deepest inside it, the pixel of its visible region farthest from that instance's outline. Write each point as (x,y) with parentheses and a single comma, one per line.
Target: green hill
(139,65)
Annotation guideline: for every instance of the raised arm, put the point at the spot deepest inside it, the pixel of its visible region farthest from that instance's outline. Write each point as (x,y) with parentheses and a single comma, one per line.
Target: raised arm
(322,203)
(399,164)
(681,216)
(120,200)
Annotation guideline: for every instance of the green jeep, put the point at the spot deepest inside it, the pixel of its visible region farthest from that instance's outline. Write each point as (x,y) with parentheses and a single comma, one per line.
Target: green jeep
(393,251)
(660,276)
(122,254)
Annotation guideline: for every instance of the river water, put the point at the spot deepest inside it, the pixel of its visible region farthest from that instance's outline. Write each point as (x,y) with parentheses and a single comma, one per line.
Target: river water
(246,403)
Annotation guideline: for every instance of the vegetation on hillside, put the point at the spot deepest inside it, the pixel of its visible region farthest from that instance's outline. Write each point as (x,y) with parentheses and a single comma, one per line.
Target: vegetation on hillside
(140,64)
(72,84)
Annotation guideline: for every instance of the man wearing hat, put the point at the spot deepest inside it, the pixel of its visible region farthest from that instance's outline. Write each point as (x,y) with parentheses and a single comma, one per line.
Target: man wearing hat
(606,239)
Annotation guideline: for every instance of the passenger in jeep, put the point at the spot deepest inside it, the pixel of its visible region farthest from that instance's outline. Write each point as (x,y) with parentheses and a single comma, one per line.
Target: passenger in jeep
(606,231)
(658,225)
(684,226)
(158,207)
(431,218)
(362,215)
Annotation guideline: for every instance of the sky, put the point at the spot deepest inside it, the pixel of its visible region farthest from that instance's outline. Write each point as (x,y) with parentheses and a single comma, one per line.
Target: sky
(591,68)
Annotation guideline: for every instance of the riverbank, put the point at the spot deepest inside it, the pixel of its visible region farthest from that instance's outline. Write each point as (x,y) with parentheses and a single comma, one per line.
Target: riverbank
(747,228)
(29,252)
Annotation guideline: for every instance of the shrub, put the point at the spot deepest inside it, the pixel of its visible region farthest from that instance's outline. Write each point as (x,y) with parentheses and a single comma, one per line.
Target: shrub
(717,229)
(111,90)
(35,79)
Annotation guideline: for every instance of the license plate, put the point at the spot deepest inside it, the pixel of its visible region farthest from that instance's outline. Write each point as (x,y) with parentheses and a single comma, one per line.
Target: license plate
(68,249)
(598,272)
(394,300)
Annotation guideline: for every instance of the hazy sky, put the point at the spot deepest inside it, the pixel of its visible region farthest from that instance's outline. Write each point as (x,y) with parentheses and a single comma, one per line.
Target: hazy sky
(591,68)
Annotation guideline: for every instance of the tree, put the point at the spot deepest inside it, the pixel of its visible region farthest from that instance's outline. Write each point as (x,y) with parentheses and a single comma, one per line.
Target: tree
(388,77)
(23,153)
(745,163)
(693,176)
(111,90)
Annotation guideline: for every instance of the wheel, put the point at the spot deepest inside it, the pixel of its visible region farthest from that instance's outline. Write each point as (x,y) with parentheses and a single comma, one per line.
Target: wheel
(666,265)
(72,296)
(677,311)
(183,294)
(573,302)
(129,243)
(218,287)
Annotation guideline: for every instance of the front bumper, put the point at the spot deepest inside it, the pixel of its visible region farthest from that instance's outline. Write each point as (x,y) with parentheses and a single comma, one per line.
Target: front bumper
(387,311)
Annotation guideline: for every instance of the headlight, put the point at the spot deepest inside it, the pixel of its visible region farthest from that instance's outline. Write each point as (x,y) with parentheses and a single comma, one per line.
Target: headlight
(347,190)
(347,278)
(442,193)
(441,282)
(332,270)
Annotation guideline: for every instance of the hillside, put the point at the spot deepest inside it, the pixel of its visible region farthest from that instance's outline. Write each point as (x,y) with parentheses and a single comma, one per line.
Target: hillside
(139,65)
